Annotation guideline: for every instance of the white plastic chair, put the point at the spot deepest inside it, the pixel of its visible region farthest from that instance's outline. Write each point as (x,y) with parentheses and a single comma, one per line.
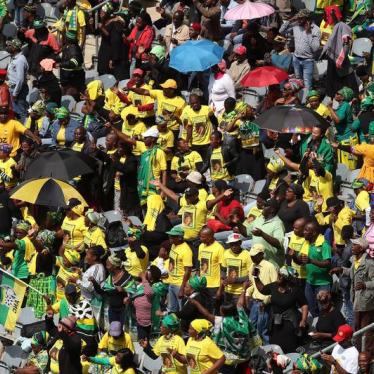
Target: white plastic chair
(108,80)
(123,84)
(33,96)
(4,59)
(68,102)
(78,107)
(360,46)
(9,30)
(342,171)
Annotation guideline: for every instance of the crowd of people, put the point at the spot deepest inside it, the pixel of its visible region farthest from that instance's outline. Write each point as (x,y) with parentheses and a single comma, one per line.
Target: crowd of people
(195,270)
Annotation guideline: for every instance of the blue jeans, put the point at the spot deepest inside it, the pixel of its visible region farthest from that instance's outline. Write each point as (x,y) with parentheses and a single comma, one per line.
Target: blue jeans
(20,105)
(259,316)
(304,70)
(348,306)
(311,297)
(174,303)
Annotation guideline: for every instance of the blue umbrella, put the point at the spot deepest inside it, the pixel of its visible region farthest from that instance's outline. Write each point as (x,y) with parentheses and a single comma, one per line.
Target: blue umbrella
(195,55)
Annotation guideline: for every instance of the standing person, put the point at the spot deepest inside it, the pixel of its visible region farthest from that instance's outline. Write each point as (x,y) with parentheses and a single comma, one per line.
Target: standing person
(286,298)
(7,211)
(17,78)
(72,74)
(340,72)
(210,258)
(180,267)
(307,38)
(240,66)
(75,21)
(210,11)
(344,356)
(316,255)
(177,32)
(266,273)
(202,354)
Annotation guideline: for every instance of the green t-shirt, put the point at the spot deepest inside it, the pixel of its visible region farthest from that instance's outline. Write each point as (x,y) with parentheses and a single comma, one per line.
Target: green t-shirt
(19,265)
(343,128)
(320,251)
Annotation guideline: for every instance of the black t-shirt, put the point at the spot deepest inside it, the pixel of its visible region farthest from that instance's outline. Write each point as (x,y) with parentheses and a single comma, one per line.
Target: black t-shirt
(330,322)
(289,215)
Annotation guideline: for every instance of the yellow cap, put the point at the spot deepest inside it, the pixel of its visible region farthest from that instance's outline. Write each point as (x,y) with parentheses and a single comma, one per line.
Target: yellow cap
(170,83)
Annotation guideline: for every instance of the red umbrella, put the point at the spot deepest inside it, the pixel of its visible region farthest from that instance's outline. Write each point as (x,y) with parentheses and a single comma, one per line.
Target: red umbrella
(264,76)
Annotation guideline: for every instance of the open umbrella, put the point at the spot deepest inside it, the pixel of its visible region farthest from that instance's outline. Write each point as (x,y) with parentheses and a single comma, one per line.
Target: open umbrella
(264,76)
(249,10)
(62,164)
(47,192)
(195,55)
(290,119)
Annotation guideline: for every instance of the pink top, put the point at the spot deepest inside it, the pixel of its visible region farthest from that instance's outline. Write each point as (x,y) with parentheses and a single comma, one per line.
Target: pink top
(143,306)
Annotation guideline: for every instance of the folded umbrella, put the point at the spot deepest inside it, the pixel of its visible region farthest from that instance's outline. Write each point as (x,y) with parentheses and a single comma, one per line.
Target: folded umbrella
(62,164)
(249,10)
(46,191)
(290,119)
(264,76)
(195,55)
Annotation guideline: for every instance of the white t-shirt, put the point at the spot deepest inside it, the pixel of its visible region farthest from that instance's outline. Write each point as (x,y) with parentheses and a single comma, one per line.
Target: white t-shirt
(347,359)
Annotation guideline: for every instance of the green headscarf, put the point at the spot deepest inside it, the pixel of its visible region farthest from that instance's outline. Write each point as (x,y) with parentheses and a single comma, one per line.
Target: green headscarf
(347,93)
(367,103)
(40,339)
(159,51)
(171,322)
(47,238)
(23,225)
(313,94)
(134,232)
(62,113)
(197,283)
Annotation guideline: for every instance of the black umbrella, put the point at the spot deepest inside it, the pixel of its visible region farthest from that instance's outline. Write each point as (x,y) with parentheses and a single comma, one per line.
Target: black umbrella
(290,119)
(63,164)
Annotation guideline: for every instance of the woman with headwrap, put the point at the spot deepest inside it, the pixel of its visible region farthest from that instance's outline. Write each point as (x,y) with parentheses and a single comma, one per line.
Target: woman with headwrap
(41,272)
(23,250)
(170,346)
(113,289)
(286,323)
(314,102)
(73,228)
(195,288)
(202,354)
(343,119)
(62,129)
(339,70)
(7,165)
(113,53)
(289,92)
(222,88)
(37,361)
(275,178)
(364,118)
(94,234)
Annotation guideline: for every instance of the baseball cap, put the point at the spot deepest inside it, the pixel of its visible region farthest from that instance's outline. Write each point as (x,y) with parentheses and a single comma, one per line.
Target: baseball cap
(151,133)
(240,50)
(363,243)
(176,231)
(235,237)
(169,83)
(138,71)
(345,332)
(115,329)
(256,249)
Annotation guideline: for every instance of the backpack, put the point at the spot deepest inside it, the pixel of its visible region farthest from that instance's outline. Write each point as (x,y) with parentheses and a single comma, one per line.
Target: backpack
(115,235)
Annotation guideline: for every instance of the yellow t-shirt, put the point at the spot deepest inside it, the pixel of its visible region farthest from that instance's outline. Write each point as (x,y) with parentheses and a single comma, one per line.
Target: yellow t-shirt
(323,186)
(167,106)
(159,163)
(362,201)
(62,278)
(53,354)
(217,166)
(81,23)
(165,140)
(180,256)
(76,229)
(254,212)
(117,369)
(201,355)
(6,168)
(137,100)
(10,133)
(210,258)
(38,123)
(113,102)
(186,163)
(326,31)
(201,125)
(170,365)
(134,265)
(237,266)
(94,236)
(111,345)
(296,243)
(60,137)
(193,218)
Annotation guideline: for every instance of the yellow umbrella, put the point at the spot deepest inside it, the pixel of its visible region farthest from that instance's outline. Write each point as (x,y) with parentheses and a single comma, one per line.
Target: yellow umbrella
(46,191)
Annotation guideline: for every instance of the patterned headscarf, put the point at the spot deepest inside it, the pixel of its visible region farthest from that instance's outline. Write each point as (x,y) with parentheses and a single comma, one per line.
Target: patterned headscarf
(159,51)
(171,322)
(307,364)
(72,256)
(276,165)
(114,260)
(347,93)
(23,225)
(367,103)
(134,232)
(47,238)
(93,216)
(197,283)
(40,339)
(38,107)
(107,8)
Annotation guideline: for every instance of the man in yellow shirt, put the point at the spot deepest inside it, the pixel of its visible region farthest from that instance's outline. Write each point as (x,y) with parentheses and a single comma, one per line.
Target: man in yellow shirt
(137,256)
(11,131)
(259,303)
(235,265)
(180,267)
(115,339)
(210,258)
(165,137)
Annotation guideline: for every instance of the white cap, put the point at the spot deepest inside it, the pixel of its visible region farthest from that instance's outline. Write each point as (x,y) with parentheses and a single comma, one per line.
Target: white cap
(233,238)
(151,133)
(194,177)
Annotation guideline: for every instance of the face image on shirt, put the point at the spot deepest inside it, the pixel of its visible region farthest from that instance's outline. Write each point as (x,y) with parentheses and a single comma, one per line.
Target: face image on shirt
(172,263)
(216,165)
(188,219)
(167,109)
(233,272)
(192,359)
(167,361)
(205,261)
